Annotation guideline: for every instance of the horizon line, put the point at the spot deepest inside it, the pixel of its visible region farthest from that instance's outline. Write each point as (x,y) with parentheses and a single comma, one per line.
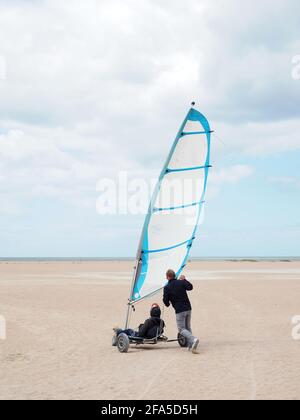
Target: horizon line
(272,257)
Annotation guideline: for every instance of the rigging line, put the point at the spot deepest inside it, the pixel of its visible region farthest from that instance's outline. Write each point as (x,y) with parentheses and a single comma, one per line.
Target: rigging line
(219,139)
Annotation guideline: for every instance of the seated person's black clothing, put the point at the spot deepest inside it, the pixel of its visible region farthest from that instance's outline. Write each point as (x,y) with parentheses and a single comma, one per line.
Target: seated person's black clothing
(152,327)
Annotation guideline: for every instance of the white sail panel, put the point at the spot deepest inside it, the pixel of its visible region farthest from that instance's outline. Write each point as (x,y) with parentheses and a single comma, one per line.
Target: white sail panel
(181,188)
(156,278)
(175,209)
(192,126)
(167,228)
(191,151)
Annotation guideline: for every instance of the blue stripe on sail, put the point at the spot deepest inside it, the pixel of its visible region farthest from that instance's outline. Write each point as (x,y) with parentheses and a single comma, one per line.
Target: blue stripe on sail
(193,168)
(144,269)
(197,116)
(156,210)
(193,115)
(152,251)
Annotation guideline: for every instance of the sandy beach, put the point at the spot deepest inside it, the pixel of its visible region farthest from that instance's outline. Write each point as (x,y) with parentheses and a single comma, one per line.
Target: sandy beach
(59,327)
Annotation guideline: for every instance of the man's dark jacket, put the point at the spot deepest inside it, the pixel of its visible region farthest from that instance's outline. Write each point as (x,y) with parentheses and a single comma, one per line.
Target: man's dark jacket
(175,292)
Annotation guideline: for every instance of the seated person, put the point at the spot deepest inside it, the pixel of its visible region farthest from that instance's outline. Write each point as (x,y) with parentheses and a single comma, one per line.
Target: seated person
(152,327)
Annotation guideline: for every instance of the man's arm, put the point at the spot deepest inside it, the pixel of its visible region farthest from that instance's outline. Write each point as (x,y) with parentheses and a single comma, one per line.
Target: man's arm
(187,284)
(166,298)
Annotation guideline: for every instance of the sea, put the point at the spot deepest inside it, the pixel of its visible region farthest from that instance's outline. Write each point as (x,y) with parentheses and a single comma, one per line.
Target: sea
(95,259)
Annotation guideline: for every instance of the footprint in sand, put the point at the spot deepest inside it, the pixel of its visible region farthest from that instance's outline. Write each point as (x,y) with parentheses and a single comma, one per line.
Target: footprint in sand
(16,357)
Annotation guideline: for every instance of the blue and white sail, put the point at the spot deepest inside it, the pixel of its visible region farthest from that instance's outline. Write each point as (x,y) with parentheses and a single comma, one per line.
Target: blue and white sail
(175,209)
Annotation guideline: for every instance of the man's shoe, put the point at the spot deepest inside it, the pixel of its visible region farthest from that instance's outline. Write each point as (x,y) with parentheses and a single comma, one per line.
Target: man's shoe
(195,346)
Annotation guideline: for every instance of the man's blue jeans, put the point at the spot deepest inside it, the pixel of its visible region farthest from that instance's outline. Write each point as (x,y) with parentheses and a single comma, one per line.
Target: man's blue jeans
(184,326)
(130,333)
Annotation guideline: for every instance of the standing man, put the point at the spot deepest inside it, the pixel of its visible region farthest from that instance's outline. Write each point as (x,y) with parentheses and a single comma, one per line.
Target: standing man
(175,292)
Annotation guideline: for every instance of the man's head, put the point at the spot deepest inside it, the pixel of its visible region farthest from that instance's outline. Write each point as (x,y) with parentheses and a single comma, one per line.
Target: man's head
(171,275)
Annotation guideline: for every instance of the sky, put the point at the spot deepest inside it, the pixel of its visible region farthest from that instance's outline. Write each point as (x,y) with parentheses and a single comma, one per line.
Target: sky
(91,89)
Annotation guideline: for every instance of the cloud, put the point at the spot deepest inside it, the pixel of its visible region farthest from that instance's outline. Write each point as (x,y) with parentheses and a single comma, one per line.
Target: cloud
(228,175)
(232,174)
(256,139)
(97,87)
(81,61)
(286,181)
